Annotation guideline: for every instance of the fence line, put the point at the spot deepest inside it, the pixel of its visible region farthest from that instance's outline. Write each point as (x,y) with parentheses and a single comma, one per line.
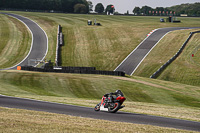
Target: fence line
(77,70)
(162,68)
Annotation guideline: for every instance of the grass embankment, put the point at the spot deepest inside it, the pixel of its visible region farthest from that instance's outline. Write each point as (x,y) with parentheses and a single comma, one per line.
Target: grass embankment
(148,97)
(15,41)
(17,120)
(185,69)
(106,46)
(103,46)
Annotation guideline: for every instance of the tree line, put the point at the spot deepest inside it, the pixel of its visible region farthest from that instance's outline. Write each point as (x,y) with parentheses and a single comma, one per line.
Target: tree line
(99,8)
(69,6)
(189,9)
(84,6)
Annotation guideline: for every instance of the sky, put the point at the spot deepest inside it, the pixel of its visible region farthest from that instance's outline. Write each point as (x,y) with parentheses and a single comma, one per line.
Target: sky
(122,6)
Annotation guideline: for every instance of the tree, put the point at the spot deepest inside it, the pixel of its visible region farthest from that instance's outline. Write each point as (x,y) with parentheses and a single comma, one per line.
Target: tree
(145,10)
(85,2)
(159,10)
(127,12)
(80,8)
(198,13)
(68,5)
(99,8)
(90,5)
(110,9)
(136,10)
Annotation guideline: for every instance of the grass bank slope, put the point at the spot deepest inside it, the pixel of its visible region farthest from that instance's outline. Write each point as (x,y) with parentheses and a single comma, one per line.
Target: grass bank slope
(156,96)
(186,69)
(15,41)
(103,46)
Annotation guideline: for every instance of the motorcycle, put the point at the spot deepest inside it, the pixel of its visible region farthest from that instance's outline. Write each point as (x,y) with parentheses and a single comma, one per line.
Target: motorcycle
(110,103)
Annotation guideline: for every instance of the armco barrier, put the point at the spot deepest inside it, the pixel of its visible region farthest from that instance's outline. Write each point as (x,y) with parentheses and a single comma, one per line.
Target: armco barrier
(58,46)
(162,68)
(78,70)
(61,39)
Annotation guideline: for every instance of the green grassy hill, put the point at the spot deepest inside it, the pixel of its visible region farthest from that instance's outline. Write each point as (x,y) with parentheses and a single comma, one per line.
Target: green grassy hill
(186,69)
(103,46)
(143,95)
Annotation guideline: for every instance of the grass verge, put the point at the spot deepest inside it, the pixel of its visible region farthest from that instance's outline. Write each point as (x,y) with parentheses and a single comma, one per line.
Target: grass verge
(143,95)
(18,120)
(185,69)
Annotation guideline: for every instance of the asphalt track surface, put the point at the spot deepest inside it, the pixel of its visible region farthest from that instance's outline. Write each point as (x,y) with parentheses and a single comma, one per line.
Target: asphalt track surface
(134,59)
(28,104)
(39,44)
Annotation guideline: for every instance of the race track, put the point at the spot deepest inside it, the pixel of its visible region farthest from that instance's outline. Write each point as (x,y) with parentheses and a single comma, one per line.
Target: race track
(134,59)
(39,50)
(13,102)
(39,44)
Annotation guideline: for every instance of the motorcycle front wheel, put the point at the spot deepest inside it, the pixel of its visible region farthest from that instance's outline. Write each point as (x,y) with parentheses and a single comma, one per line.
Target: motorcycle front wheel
(115,108)
(97,108)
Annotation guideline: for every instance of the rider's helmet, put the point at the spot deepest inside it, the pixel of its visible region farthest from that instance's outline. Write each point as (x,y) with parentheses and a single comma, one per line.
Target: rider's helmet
(119,93)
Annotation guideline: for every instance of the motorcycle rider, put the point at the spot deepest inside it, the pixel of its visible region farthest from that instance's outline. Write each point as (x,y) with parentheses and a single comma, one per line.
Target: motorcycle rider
(117,93)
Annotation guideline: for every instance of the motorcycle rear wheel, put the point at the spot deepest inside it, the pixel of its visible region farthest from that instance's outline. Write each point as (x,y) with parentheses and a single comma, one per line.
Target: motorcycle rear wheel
(115,109)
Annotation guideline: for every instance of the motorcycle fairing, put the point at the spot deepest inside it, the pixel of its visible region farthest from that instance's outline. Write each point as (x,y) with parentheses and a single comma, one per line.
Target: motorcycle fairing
(103,106)
(103,109)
